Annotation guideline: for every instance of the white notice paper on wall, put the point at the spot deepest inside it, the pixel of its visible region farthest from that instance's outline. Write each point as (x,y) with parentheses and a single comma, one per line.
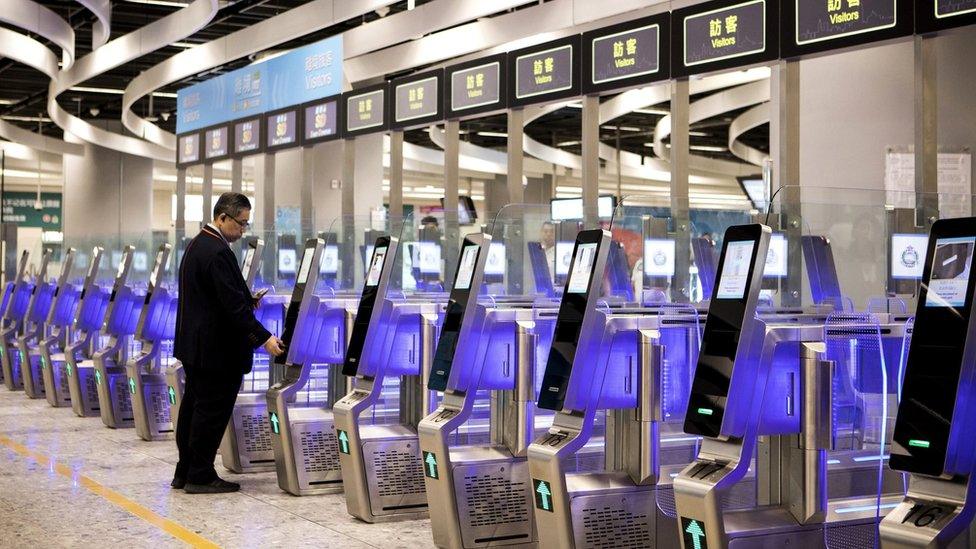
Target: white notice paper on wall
(955,182)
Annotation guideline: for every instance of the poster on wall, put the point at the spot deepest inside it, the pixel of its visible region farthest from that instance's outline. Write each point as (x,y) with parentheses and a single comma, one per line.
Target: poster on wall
(19,208)
(955,181)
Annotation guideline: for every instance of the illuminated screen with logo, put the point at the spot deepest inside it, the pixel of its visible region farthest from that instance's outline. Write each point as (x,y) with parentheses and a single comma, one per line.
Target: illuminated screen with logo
(321,120)
(247,136)
(495,264)
(951,264)
(735,272)
(476,86)
(562,209)
(908,255)
(189,148)
(329,264)
(217,143)
(286,261)
(776,257)
(659,257)
(579,280)
(564,254)
(282,129)
(430,258)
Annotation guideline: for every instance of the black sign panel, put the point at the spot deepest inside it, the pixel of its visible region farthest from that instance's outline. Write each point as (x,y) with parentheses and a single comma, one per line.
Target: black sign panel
(216,143)
(417,99)
(476,87)
(248,138)
(630,54)
(724,34)
(188,149)
(366,110)
(810,27)
(546,72)
(320,120)
(282,129)
(935,15)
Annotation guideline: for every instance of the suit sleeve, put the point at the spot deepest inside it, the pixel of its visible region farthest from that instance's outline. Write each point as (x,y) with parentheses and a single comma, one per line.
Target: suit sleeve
(235,303)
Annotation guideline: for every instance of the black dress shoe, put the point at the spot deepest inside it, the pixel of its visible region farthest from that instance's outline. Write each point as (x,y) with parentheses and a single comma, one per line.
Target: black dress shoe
(178,483)
(217,486)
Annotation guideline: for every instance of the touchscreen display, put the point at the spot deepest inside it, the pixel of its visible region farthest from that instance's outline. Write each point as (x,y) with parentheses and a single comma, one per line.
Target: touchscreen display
(286,261)
(908,255)
(495,264)
(579,281)
(735,273)
(248,258)
(776,257)
(376,268)
(306,265)
(330,260)
(469,256)
(430,258)
(564,255)
(950,272)
(140,261)
(659,257)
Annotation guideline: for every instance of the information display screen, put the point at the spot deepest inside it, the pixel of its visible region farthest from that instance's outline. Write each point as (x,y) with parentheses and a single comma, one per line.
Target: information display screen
(935,357)
(543,72)
(477,86)
(453,317)
(953,8)
(776,264)
(329,264)
(625,54)
(469,257)
(908,256)
(564,255)
(217,143)
(140,261)
(429,258)
(659,257)
(832,19)
(416,99)
(579,280)
(734,276)
(321,120)
(286,261)
(495,263)
(248,259)
(247,136)
(306,266)
(936,15)
(376,268)
(366,111)
(951,265)
(725,33)
(562,209)
(360,329)
(189,149)
(282,129)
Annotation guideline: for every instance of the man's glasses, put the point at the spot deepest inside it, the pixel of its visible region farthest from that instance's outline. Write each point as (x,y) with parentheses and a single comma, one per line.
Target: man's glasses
(244,224)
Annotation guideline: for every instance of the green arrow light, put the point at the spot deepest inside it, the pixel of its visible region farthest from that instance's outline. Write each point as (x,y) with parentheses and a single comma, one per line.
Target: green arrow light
(343,442)
(431,460)
(132,386)
(544,493)
(706,411)
(696,532)
(172,395)
(67,368)
(274,423)
(919,443)
(98,377)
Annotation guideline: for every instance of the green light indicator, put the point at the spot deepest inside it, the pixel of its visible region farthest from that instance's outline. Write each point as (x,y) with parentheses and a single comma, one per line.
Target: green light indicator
(98,377)
(343,442)
(172,395)
(132,386)
(919,443)
(706,411)
(67,368)
(543,495)
(274,423)
(430,460)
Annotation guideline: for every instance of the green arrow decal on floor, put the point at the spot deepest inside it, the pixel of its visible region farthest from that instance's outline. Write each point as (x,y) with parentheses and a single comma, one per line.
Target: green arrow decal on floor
(430,465)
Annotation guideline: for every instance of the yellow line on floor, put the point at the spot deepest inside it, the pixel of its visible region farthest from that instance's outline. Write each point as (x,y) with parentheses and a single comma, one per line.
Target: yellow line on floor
(159,521)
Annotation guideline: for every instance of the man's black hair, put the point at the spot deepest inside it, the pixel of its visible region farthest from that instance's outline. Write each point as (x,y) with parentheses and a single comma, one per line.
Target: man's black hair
(231,204)
(429,219)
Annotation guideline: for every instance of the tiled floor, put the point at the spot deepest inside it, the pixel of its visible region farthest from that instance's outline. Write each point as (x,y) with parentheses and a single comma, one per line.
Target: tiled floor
(41,507)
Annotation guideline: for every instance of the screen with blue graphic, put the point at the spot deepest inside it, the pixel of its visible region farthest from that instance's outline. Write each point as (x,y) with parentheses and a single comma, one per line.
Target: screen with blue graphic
(908,255)
(950,272)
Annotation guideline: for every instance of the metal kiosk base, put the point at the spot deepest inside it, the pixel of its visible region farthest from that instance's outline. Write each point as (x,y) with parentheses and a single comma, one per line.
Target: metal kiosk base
(394,473)
(114,402)
(150,405)
(83,389)
(312,465)
(33,377)
(56,388)
(12,378)
(247,446)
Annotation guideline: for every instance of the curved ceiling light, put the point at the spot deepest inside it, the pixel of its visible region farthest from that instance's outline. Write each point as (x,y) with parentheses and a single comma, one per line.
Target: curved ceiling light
(752,118)
(171,28)
(40,20)
(102,29)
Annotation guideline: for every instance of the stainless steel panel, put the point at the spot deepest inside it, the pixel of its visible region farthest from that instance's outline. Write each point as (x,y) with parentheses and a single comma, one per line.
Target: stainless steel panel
(395,476)
(494,500)
(316,454)
(614,519)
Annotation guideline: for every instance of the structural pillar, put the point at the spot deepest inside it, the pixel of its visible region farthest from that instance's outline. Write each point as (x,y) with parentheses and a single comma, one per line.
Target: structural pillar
(785,149)
(680,205)
(926,133)
(207,191)
(452,180)
(308,183)
(180,204)
(267,194)
(516,131)
(591,160)
(396,174)
(236,175)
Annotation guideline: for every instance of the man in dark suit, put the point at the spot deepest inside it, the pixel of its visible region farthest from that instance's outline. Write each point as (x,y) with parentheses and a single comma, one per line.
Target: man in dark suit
(216,334)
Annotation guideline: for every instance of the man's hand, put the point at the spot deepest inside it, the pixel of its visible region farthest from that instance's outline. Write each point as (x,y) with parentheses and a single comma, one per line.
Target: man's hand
(274,346)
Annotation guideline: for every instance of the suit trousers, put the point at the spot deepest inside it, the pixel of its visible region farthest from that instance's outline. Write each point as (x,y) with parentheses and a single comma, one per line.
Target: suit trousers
(207,406)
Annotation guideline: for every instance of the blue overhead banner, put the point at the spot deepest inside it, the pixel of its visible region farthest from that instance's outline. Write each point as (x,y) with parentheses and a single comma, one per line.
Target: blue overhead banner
(301,75)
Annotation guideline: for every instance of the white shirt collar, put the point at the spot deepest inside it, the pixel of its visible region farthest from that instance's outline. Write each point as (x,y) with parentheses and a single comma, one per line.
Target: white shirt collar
(216,230)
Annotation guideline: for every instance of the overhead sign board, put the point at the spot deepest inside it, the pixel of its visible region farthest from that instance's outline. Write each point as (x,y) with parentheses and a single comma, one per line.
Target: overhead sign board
(321,120)
(247,137)
(810,27)
(476,86)
(417,99)
(935,15)
(724,34)
(627,54)
(282,129)
(188,149)
(547,72)
(366,110)
(299,76)
(216,143)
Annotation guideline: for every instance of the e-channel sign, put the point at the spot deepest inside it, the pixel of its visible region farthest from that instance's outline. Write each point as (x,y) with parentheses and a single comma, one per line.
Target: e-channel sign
(725,33)
(635,52)
(831,19)
(189,148)
(282,129)
(247,136)
(543,72)
(217,143)
(365,111)
(476,86)
(322,120)
(952,8)
(417,99)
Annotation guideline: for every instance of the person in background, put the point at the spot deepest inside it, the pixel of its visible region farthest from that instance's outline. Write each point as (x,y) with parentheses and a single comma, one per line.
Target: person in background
(216,334)
(547,238)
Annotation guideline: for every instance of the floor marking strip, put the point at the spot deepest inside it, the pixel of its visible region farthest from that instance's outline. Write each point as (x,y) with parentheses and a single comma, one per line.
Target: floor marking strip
(179,532)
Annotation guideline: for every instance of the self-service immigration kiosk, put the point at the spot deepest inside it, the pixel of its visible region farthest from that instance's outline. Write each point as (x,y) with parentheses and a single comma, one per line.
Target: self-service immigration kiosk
(933,433)
(108,363)
(58,333)
(37,311)
(145,371)
(305,449)
(246,446)
(93,304)
(13,318)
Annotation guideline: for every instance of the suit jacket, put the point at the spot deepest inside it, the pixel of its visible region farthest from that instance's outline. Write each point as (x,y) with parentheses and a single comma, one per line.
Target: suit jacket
(215,323)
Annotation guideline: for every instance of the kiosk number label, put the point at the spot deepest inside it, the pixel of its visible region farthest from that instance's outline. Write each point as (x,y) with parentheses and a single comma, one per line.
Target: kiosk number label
(922,515)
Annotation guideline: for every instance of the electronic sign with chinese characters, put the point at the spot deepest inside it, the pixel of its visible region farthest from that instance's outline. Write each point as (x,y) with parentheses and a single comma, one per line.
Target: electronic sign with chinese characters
(723,34)
(417,99)
(629,54)
(247,137)
(546,72)
(282,129)
(366,110)
(216,143)
(476,87)
(321,120)
(188,151)
(810,27)
(936,15)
